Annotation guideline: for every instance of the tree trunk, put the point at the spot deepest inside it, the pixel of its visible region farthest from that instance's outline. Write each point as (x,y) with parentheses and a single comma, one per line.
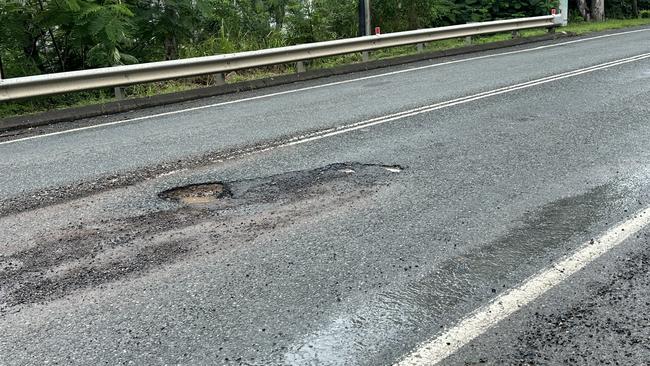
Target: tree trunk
(598,10)
(171,48)
(412,16)
(278,16)
(32,53)
(635,8)
(583,8)
(59,55)
(2,70)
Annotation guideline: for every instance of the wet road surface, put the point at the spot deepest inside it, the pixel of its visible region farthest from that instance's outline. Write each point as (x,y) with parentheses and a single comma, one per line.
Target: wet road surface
(200,239)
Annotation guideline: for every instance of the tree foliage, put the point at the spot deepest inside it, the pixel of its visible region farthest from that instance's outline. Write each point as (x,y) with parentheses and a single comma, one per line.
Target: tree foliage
(44,36)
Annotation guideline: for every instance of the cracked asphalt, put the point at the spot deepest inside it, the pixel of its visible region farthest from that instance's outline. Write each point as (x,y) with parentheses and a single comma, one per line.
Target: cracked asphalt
(247,234)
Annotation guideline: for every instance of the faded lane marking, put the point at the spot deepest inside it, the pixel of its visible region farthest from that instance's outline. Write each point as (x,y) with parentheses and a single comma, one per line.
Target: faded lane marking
(317,87)
(481,320)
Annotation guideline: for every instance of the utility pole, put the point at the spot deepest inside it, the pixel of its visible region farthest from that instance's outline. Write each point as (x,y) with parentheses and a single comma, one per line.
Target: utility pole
(2,71)
(366,4)
(364,17)
(364,23)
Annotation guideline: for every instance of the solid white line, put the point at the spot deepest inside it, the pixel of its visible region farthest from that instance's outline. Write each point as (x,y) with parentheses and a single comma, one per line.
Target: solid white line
(334,131)
(316,87)
(506,304)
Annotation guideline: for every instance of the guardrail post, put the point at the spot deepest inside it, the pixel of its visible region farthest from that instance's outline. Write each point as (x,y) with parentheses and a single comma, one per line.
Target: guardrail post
(516,34)
(420,47)
(219,79)
(365,56)
(469,39)
(300,66)
(119,92)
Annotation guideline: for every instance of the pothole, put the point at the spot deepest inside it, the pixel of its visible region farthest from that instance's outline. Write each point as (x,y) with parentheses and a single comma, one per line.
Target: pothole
(333,180)
(197,194)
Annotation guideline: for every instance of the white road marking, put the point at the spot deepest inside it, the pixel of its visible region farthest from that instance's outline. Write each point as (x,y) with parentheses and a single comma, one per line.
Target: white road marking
(334,131)
(506,304)
(316,87)
(417,111)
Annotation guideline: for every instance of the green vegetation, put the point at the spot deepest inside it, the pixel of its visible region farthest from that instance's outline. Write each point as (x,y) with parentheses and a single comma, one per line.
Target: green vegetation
(586,27)
(46,36)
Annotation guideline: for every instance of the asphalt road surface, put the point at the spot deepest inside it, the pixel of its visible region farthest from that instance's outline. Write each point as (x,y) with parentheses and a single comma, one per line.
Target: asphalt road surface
(492,208)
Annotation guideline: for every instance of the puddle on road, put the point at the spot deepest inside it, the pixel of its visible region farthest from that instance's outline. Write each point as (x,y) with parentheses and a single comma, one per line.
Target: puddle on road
(418,309)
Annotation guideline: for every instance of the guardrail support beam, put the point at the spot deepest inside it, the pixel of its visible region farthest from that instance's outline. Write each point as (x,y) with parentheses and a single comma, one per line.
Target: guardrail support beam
(300,67)
(119,93)
(420,47)
(219,79)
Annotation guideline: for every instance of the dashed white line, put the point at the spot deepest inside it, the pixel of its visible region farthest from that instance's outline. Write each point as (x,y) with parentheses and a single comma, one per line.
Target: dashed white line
(478,322)
(316,87)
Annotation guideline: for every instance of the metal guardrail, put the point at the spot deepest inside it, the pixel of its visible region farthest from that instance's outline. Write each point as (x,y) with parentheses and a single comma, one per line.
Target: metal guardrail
(31,86)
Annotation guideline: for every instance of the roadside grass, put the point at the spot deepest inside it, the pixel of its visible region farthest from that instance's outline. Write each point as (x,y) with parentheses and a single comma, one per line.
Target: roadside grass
(588,27)
(42,104)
